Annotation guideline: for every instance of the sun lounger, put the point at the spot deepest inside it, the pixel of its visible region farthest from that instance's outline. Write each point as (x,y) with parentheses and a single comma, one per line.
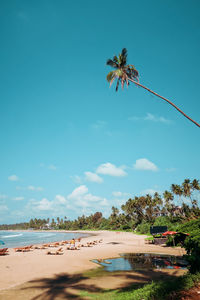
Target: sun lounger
(54,252)
(18,249)
(73,248)
(4,251)
(23,249)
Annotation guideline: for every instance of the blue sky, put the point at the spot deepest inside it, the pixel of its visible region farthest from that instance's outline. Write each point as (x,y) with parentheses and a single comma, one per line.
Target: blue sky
(70,145)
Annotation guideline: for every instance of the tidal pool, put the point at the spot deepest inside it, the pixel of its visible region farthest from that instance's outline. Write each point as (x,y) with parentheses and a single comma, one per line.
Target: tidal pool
(142,261)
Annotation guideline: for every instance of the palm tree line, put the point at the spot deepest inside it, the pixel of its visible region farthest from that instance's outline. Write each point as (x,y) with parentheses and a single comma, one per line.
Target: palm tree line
(179,204)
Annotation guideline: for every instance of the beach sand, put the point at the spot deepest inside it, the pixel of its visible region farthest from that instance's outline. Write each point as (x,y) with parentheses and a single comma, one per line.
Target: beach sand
(36,275)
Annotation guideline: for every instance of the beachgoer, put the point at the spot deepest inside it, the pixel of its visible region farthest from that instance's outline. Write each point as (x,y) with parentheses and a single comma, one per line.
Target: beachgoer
(72,242)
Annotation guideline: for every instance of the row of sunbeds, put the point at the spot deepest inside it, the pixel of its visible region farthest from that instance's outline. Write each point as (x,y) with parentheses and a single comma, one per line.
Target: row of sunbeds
(4,251)
(72,247)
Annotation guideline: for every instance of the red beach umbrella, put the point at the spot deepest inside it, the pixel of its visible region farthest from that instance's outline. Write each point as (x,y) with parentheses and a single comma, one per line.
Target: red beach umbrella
(169,233)
(172,233)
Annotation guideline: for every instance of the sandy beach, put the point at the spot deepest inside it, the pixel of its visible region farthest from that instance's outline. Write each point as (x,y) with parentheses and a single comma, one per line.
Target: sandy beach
(19,270)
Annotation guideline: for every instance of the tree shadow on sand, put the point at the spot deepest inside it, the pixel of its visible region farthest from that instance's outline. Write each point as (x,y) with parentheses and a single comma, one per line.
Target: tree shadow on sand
(62,286)
(65,286)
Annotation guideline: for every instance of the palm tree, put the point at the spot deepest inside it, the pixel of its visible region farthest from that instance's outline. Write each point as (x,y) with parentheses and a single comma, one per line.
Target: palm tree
(187,188)
(168,197)
(195,185)
(125,73)
(177,190)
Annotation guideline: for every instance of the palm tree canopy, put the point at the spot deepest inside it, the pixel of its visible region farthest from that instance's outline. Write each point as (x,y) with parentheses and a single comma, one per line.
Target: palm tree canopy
(122,72)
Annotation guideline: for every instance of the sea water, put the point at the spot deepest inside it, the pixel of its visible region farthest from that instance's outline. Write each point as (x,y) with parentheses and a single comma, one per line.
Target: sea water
(11,239)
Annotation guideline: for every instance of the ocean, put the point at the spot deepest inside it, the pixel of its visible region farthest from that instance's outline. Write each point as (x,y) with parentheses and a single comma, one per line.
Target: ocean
(11,239)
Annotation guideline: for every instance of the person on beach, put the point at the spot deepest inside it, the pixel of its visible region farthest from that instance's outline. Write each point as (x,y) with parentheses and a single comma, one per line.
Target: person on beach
(72,242)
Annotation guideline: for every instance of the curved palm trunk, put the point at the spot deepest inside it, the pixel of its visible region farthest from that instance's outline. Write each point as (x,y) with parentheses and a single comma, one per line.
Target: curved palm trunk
(171,103)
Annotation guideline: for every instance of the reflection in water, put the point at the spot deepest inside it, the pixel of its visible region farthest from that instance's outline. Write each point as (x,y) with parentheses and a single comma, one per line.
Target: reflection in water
(142,261)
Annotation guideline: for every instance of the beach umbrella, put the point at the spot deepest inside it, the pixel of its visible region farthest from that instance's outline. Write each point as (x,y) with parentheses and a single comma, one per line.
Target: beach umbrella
(169,233)
(172,233)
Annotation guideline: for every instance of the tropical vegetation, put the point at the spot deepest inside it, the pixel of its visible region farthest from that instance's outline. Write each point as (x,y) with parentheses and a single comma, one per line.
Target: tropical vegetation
(174,207)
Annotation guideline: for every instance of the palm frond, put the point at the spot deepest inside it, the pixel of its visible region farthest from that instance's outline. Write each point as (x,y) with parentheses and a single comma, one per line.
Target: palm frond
(110,76)
(124,52)
(111,63)
(123,57)
(115,59)
(117,85)
(112,79)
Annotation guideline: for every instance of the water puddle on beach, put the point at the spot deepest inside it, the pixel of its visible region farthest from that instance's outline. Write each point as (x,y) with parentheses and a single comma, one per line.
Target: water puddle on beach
(142,261)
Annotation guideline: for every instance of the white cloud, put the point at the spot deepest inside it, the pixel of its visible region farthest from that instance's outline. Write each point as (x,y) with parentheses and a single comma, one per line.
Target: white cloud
(30,188)
(3,208)
(34,188)
(145,164)
(44,204)
(55,206)
(60,199)
(18,198)
(119,194)
(104,202)
(92,198)
(34,205)
(150,117)
(110,169)
(3,197)
(81,198)
(13,178)
(93,177)
(79,191)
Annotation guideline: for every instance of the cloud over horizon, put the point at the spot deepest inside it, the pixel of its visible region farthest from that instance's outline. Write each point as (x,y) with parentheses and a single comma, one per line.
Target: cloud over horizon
(93,177)
(111,170)
(151,117)
(145,165)
(13,178)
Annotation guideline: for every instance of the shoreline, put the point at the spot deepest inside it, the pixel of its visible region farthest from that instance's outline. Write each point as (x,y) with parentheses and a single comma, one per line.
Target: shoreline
(45,231)
(23,267)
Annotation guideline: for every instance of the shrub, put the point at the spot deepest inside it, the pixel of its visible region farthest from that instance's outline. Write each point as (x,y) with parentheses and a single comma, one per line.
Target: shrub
(192,243)
(143,228)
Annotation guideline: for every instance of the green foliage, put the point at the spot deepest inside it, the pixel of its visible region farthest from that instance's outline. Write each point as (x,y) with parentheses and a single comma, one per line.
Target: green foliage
(192,243)
(138,212)
(154,291)
(143,228)
(166,221)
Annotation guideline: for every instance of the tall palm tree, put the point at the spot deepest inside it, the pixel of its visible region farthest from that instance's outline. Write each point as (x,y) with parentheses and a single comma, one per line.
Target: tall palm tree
(168,197)
(177,190)
(195,185)
(125,73)
(187,188)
